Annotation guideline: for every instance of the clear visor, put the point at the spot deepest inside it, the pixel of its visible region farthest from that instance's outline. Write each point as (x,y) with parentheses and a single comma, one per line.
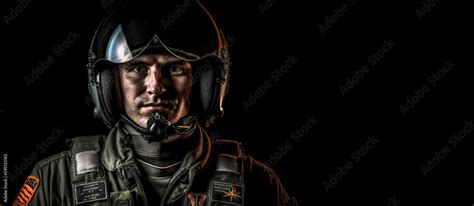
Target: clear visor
(118,50)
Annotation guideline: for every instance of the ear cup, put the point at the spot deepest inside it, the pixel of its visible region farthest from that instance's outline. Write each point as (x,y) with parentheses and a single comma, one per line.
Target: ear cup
(207,84)
(110,92)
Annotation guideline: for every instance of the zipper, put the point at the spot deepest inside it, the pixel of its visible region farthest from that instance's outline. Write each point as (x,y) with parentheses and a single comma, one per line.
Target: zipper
(139,185)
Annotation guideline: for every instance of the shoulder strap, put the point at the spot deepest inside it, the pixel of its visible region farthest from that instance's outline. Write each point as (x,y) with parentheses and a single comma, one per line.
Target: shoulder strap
(230,156)
(86,143)
(229,147)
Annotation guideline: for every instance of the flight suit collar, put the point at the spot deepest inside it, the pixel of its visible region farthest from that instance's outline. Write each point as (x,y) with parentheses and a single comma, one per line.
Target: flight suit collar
(118,153)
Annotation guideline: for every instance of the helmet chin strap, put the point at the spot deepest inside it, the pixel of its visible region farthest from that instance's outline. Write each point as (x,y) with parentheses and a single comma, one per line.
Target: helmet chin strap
(159,128)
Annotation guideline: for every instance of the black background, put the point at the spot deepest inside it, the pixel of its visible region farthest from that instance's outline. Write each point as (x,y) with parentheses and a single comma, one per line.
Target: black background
(389,174)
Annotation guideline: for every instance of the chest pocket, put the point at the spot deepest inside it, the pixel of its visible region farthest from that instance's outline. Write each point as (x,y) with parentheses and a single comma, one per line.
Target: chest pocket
(226,185)
(89,180)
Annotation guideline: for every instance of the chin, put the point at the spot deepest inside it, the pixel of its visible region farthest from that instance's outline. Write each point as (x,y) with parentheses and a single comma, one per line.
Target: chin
(143,122)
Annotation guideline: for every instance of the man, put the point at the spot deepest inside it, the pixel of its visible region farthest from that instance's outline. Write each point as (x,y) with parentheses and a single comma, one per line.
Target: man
(159,85)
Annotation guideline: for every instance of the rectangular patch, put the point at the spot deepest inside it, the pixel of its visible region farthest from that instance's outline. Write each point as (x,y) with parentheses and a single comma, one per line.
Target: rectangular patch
(87,161)
(90,192)
(227,193)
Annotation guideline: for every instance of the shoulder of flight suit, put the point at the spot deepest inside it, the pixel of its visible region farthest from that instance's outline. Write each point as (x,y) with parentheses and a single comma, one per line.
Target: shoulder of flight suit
(264,185)
(51,159)
(51,178)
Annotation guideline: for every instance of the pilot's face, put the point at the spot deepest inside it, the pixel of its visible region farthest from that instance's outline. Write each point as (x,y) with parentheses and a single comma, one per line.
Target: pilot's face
(156,83)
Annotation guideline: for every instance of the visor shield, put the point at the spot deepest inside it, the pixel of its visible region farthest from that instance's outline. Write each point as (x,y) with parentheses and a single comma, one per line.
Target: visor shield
(117,48)
(191,35)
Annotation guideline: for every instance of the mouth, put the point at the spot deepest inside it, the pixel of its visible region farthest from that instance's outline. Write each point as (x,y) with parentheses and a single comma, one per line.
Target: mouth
(157,107)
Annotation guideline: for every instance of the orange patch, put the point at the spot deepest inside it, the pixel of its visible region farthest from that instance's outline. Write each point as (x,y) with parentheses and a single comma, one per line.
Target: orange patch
(27,191)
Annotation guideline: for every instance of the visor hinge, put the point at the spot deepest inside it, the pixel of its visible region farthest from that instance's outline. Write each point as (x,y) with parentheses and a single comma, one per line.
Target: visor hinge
(155,39)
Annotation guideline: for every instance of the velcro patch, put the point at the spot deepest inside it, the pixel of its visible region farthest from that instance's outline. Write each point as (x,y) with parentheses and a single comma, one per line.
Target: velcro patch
(27,191)
(87,161)
(90,192)
(228,193)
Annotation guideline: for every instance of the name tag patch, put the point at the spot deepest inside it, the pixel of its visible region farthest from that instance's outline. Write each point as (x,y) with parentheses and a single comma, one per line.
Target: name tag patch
(90,192)
(228,193)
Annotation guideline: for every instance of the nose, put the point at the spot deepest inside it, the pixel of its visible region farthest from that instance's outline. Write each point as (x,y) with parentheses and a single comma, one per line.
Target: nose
(156,83)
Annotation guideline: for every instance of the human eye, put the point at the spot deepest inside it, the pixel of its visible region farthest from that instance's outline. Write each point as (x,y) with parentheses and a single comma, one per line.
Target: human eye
(139,69)
(176,70)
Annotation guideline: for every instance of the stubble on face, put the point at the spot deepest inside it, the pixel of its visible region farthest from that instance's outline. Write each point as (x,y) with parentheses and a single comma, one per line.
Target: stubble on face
(148,86)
